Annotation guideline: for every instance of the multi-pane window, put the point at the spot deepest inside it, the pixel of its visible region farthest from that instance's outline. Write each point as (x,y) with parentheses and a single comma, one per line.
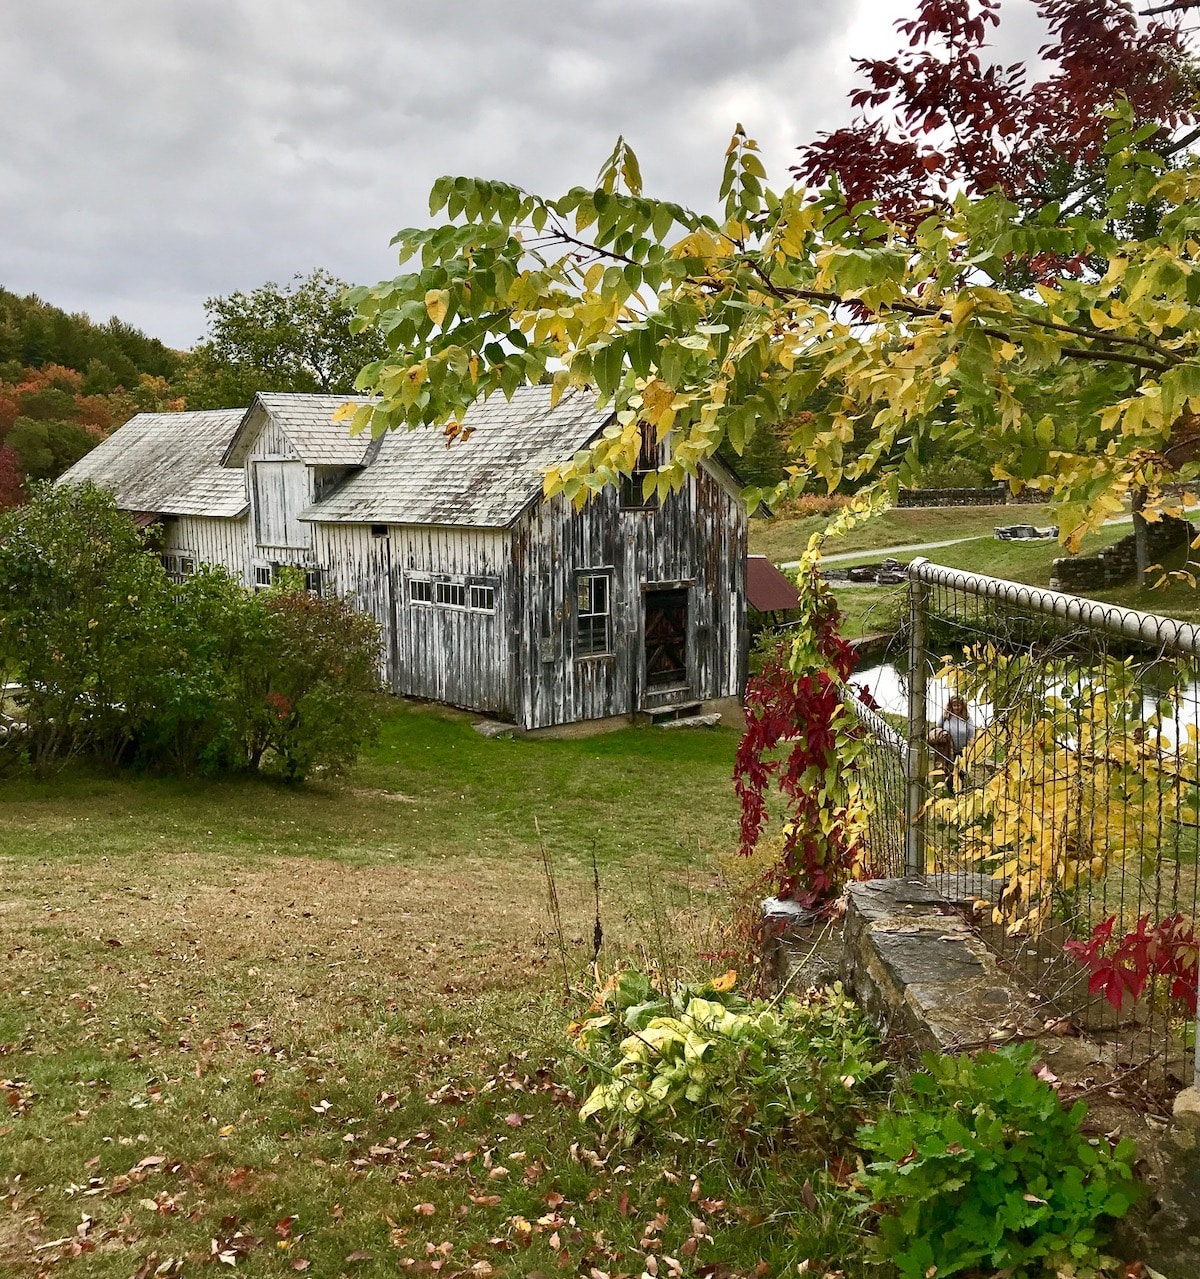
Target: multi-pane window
(451,594)
(478,597)
(264,576)
(632,486)
(481,598)
(593,616)
(313,580)
(179,567)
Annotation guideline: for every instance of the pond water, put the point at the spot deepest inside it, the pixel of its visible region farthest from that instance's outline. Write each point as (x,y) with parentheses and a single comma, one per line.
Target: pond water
(889,687)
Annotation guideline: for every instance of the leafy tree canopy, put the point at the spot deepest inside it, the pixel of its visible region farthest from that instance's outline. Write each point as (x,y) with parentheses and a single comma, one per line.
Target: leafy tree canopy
(33,334)
(940,116)
(294,337)
(1084,384)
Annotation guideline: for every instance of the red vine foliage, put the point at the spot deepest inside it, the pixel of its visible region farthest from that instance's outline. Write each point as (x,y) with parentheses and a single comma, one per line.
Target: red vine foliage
(791,743)
(1167,949)
(939,116)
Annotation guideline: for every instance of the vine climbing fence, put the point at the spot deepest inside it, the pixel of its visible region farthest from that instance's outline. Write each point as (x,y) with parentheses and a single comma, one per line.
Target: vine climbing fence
(1062,791)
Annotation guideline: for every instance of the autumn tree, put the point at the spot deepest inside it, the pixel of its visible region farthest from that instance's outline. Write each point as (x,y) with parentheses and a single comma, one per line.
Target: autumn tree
(293,337)
(11,483)
(939,117)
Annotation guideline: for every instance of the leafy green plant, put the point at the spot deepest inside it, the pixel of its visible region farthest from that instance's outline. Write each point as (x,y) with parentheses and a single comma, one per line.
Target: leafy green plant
(323,700)
(798,1071)
(116,662)
(980,1165)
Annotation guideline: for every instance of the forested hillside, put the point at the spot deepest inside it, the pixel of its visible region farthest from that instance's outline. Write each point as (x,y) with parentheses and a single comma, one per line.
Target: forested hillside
(66,382)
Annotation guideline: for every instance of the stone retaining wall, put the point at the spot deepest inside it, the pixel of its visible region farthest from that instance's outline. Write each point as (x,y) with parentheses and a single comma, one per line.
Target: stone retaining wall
(991,495)
(927,980)
(1117,564)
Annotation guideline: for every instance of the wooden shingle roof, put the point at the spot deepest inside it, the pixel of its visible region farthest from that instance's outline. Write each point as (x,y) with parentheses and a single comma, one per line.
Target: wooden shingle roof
(307,421)
(168,464)
(483,481)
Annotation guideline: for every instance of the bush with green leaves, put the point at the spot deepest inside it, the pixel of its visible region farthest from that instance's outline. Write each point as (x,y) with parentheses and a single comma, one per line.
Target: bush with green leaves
(117,662)
(80,602)
(794,1072)
(978,1166)
(323,699)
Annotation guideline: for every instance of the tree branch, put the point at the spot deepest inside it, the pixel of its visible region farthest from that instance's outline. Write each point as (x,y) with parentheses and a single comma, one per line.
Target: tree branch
(1175,6)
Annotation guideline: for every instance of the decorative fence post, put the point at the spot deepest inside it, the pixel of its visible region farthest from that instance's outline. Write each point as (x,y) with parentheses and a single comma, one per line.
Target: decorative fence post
(917,759)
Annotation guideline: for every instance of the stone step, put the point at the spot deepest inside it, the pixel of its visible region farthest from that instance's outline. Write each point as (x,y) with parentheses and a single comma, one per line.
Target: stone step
(674,710)
(690,721)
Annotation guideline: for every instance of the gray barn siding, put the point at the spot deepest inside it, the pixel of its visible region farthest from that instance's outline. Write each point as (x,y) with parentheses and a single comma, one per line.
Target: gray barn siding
(697,536)
(357,569)
(450,654)
(267,437)
(224,542)
(446,654)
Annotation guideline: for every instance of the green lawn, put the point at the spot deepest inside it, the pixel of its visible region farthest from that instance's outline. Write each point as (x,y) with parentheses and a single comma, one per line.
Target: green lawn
(784,540)
(313,1025)
(869,609)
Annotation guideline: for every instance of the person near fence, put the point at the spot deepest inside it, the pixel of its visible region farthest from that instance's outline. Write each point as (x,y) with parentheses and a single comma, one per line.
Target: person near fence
(951,735)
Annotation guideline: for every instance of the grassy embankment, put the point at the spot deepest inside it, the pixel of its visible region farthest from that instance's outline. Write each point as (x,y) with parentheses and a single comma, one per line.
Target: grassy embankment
(872,608)
(306,1028)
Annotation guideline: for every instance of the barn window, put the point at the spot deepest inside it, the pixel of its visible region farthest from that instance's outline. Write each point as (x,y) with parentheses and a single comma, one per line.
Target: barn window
(420,590)
(313,580)
(451,594)
(264,576)
(379,530)
(481,598)
(593,617)
(647,463)
(178,567)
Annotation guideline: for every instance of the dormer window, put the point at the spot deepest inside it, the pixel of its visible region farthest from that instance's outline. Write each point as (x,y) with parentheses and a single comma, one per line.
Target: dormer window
(648,461)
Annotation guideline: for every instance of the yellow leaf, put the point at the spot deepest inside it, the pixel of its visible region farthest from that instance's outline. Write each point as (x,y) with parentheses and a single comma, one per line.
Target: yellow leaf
(437,304)
(657,398)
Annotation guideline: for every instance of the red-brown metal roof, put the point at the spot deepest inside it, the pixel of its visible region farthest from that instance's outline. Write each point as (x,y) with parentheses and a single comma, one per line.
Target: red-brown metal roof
(767,590)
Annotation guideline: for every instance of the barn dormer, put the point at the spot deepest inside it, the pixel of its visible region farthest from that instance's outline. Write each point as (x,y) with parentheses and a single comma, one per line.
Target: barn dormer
(293,454)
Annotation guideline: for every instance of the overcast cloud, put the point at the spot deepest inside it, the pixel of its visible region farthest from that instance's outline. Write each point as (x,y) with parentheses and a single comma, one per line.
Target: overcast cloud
(158,152)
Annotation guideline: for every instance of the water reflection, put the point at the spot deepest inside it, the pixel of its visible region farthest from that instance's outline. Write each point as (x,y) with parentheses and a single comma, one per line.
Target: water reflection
(1175,706)
(889,688)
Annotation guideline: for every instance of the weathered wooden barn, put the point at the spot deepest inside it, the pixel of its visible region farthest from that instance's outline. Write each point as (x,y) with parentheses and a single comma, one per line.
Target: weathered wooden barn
(490,596)
(165,468)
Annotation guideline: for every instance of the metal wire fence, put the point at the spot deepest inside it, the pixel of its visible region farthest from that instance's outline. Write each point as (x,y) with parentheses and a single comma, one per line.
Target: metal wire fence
(882,779)
(1052,744)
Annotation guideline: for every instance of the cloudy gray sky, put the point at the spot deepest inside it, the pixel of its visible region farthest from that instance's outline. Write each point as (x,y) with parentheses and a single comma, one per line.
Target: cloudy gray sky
(158,152)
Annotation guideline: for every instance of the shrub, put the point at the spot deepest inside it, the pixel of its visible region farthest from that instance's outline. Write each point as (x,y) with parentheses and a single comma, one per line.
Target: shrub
(205,695)
(322,702)
(755,1074)
(117,661)
(980,1166)
(799,508)
(80,608)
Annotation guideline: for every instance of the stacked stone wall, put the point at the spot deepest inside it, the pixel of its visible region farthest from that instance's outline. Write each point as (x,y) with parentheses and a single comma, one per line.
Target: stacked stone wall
(993,495)
(1117,564)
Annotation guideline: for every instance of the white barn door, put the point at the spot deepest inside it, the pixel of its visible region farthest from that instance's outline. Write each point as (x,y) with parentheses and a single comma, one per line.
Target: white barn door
(280,494)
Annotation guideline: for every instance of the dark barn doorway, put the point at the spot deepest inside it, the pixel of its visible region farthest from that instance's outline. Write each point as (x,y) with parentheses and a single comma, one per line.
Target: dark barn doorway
(666,638)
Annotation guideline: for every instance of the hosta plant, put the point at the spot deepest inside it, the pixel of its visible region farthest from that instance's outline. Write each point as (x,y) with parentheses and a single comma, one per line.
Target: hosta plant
(701,1056)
